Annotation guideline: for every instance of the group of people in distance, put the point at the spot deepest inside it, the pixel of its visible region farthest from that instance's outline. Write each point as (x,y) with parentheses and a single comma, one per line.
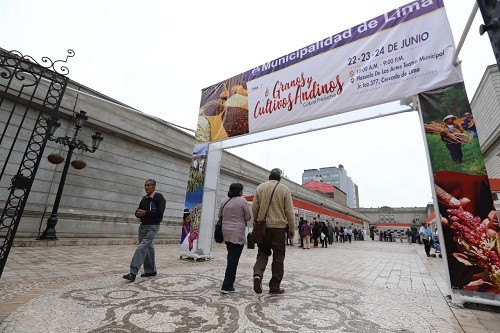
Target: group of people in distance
(319,232)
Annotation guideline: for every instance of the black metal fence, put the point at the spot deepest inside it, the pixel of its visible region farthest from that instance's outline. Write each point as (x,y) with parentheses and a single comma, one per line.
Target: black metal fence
(26,86)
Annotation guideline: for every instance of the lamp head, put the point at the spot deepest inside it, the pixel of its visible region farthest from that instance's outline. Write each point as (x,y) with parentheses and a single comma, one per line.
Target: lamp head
(81,118)
(53,124)
(96,140)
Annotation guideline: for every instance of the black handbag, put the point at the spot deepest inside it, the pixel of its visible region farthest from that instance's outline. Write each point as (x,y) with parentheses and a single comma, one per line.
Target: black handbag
(219,238)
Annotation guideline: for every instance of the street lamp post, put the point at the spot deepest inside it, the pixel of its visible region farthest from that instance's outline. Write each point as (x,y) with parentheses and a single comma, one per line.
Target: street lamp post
(72,143)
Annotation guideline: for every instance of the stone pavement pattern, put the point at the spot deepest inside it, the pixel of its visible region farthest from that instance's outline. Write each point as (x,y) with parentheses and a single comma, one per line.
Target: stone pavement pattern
(358,287)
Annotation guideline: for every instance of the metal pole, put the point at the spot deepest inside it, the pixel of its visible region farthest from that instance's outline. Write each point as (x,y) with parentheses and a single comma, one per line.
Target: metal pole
(50,231)
(454,61)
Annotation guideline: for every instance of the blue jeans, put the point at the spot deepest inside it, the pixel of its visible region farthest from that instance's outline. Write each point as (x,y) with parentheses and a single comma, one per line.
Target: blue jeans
(145,252)
(233,258)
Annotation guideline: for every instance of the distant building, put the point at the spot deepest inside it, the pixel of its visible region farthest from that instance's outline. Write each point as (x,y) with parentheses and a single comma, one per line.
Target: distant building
(336,177)
(329,190)
(396,220)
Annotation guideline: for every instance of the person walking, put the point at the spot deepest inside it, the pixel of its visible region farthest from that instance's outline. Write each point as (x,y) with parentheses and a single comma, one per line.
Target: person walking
(324,234)
(330,233)
(150,212)
(301,222)
(288,240)
(349,234)
(275,200)
(305,231)
(409,235)
(425,233)
(235,214)
(316,232)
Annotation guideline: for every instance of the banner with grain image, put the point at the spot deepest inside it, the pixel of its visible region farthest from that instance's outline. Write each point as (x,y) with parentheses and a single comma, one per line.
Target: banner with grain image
(194,195)
(468,219)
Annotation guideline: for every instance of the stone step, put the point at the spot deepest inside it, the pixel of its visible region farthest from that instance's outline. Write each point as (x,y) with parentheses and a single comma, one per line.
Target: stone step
(87,241)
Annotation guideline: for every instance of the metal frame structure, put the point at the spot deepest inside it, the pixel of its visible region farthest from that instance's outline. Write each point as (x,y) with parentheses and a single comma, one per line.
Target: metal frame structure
(27,85)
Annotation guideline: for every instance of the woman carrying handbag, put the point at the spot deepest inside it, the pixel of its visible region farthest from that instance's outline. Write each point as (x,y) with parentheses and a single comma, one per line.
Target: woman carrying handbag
(235,214)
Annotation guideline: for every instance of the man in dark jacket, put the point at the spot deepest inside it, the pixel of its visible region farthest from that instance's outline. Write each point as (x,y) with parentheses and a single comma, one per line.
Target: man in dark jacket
(150,212)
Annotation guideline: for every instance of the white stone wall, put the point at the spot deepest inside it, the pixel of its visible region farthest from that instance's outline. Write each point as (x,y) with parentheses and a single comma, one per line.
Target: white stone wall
(486,110)
(100,200)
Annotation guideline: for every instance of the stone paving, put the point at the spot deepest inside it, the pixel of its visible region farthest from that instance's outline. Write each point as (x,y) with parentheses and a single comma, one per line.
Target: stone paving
(358,287)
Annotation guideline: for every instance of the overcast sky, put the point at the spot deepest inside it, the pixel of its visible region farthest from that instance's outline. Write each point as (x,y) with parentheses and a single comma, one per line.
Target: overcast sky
(156,56)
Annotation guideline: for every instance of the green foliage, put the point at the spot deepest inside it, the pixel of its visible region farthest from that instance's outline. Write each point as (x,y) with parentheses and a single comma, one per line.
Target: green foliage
(195,180)
(455,101)
(438,103)
(473,162)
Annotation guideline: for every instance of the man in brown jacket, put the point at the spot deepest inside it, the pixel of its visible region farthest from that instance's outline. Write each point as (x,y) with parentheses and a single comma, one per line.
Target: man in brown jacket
(279,210)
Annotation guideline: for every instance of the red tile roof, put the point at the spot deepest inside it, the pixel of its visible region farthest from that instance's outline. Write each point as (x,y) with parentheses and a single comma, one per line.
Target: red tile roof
(315,185)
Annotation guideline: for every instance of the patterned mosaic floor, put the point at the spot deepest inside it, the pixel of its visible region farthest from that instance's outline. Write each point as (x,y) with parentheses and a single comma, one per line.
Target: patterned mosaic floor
(358,287)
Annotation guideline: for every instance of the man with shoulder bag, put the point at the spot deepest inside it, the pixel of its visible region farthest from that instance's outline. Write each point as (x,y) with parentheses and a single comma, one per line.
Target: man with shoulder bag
(272,204)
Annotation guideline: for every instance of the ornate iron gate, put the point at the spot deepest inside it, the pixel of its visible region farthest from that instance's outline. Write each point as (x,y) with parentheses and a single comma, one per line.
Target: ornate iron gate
(26,87)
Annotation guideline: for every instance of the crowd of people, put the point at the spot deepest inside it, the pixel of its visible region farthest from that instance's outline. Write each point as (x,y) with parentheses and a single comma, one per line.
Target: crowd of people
(319,232)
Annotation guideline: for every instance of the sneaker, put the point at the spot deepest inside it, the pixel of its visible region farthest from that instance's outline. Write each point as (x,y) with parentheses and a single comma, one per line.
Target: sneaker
(227,291)
(257,284)
(130,277)
(148,274)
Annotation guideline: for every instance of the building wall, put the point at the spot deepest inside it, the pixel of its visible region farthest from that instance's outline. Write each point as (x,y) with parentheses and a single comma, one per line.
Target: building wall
(337,177)
(356,195)
(486,110)
(100,200)
(395,219)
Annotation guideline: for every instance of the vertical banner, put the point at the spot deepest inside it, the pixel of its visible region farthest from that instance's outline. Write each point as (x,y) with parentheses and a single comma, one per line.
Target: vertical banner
(193,203)
(467,215)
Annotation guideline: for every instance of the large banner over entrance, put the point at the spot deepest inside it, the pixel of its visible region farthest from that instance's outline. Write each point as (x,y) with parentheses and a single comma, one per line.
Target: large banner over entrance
(397,54)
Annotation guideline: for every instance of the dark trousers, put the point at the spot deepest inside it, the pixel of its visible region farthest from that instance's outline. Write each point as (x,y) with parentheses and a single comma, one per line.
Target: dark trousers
(233,258)
(427,246)
(455,151)
(272,244)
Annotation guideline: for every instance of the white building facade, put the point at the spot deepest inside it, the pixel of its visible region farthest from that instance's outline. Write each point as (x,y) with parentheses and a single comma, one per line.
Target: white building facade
(336,176)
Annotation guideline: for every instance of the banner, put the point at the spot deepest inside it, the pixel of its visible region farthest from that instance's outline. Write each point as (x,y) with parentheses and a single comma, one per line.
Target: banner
(398,54)
(467,215)
(194,195)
